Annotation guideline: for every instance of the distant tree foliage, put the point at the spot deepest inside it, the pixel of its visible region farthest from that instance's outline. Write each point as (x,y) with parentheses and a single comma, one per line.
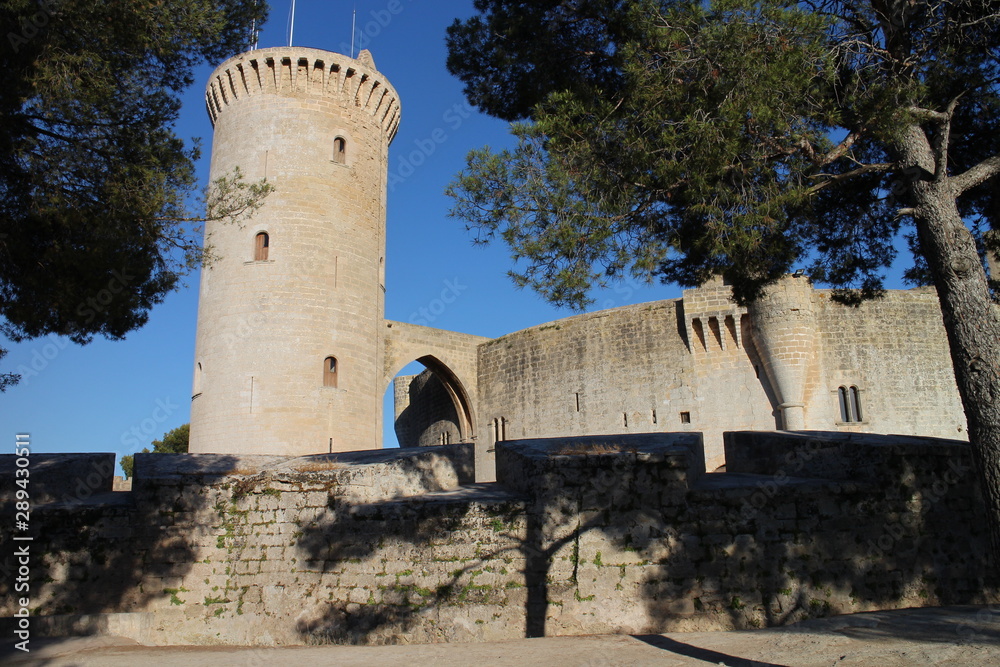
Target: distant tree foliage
(95,187)
(682,139)
(174,441)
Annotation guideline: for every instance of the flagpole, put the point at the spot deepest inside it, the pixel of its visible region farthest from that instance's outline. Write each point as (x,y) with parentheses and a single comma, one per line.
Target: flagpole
(291,30)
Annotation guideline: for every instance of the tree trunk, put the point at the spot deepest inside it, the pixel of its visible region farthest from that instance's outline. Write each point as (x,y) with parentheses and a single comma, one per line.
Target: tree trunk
(971,319)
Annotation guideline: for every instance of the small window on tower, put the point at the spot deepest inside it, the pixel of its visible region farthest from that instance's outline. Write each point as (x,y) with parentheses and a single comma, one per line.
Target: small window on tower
(260,246)
(330,372)
(340,150)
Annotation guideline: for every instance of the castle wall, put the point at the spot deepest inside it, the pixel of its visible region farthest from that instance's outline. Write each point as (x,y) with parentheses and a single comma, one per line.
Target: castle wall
(895,350)
(704,364)
(649,367)
(267,324)
(581,536)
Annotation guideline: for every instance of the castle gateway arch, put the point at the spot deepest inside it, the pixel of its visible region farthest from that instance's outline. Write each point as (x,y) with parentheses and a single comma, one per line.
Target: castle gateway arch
(435,407)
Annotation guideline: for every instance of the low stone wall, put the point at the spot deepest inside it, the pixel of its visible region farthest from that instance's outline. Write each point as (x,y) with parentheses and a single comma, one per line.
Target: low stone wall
(60,477)
(580,535)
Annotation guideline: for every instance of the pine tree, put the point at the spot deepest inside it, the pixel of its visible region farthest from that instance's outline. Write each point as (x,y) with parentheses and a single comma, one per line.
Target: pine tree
(684,139)
(95,187)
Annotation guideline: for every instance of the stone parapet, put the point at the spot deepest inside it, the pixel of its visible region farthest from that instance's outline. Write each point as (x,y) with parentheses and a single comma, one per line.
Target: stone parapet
(302,73)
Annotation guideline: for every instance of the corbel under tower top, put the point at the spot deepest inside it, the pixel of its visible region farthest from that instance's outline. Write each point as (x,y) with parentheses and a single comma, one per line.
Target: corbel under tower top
(303,72)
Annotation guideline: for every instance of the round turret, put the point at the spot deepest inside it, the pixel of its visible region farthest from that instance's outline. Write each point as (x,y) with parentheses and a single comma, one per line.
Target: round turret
(288,357)
(784,332)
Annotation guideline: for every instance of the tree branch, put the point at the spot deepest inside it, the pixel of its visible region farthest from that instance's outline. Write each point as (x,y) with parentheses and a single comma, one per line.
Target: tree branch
(975,175)
(929,114)
(943,141)
(832,179)
(839,150)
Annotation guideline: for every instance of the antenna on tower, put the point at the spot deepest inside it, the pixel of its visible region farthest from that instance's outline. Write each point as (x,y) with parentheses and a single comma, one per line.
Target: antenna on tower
(291,24)
(253,27)
(354,28)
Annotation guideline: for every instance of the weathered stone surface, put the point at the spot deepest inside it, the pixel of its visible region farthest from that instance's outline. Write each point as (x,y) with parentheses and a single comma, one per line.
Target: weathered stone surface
(892,524)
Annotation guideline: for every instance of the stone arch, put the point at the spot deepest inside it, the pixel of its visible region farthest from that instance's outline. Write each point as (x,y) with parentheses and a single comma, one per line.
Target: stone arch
(451,357)
(457,394)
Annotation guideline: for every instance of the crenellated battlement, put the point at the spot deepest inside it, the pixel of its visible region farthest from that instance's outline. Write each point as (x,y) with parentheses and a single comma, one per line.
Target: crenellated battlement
(303,72)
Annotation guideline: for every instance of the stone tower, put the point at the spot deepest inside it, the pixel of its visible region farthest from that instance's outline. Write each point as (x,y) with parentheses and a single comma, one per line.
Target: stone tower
(785,334)
(288,358)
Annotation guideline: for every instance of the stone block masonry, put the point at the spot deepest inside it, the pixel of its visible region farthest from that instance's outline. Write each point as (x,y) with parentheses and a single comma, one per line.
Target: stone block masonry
(599,534)
(289,351)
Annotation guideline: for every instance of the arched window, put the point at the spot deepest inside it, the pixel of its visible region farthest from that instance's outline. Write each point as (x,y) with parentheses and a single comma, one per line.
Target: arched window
(261,243)
(855,404)
(340,150)
(850,404)
(197,379)
(330,372)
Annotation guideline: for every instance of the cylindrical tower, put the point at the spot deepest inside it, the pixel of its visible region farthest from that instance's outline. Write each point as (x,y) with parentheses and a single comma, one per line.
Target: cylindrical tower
(288,357)
(784,332)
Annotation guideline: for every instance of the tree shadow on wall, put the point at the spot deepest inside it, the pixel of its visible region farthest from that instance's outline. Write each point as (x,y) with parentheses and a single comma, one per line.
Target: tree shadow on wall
(385,566)
(100,552)
(419,566)
(732,550)
(836,527)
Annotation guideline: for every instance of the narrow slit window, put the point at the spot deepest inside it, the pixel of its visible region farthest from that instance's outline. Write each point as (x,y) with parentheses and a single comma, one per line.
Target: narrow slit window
(340,150)
(850,404)
(261,244)
(685,417)
(499,429)
(855,404)
(330,372)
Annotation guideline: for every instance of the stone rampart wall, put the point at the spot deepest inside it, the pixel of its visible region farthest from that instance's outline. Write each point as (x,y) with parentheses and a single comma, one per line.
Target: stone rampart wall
(581,535)
(632,369)
(895,350)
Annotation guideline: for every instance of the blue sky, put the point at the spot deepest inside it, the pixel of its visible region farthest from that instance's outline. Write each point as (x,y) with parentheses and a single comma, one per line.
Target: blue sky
(118,396)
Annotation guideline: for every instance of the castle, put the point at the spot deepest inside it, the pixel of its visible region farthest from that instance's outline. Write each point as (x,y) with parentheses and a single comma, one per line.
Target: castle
(293,352)
(273,532)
